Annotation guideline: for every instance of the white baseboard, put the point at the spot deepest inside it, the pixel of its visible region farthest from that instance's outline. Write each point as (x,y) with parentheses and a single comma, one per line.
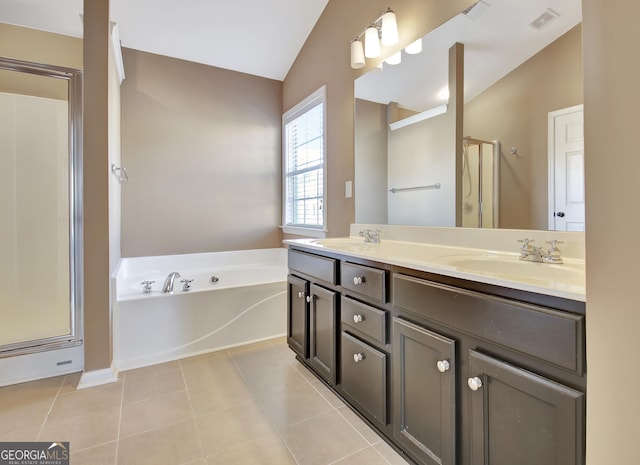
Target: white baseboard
(39,365)
(97,377)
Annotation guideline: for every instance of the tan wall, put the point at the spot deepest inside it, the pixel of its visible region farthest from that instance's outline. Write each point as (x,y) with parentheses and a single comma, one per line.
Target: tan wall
(515,111)
(612,164)
(370,163)
(26,44)
(202,148)
(97,317)
(324,59)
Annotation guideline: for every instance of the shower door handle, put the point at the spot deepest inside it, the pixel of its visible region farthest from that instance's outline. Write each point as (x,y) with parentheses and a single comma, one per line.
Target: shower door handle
(560,214)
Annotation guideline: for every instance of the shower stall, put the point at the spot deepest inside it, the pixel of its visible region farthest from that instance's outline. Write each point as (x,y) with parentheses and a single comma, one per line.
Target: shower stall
(41,211)
(480,183)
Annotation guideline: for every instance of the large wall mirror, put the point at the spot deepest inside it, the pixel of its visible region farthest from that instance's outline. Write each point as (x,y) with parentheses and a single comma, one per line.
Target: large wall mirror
(522,65)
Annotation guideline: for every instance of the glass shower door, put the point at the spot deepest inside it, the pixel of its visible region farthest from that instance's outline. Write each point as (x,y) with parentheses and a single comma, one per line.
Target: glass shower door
(37,189)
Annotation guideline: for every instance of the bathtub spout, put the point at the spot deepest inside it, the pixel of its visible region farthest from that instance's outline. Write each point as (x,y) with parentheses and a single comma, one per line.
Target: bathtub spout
(167,288)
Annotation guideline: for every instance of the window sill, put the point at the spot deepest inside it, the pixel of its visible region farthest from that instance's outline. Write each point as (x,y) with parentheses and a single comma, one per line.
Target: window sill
(308,232)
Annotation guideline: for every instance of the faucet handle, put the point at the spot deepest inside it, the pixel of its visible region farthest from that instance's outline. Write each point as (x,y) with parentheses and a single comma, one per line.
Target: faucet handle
(526,245)
(186,284)
(147,286)
(553,254)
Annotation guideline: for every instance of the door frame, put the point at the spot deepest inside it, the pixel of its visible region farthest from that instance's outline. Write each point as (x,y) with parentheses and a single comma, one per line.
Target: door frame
(551,183)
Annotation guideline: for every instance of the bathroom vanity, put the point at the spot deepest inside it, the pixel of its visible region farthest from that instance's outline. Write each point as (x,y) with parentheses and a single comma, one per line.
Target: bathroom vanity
(452,364)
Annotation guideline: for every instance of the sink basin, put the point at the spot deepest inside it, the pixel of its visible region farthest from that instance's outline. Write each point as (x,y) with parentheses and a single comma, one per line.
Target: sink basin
(343,243)
(511,266)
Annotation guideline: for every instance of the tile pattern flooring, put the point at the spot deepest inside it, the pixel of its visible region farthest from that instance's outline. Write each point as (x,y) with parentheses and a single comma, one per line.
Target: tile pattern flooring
(250,405)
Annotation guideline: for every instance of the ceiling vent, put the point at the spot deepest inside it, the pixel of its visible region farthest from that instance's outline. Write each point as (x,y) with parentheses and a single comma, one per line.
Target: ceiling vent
(544,19)
(476,10)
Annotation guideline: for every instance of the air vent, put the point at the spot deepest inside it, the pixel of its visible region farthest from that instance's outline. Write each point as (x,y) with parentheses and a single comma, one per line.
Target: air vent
(476,10)
(544,19)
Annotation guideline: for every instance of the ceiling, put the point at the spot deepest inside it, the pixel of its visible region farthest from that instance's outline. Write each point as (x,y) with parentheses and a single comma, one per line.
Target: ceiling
(257,37)
(495,42)
(263,38)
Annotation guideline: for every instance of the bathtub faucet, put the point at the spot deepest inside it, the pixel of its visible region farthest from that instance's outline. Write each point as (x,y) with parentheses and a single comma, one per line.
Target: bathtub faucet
(167,288)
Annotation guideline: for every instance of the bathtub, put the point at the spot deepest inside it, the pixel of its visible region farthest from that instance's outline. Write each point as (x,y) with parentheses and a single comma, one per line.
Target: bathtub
(235,298)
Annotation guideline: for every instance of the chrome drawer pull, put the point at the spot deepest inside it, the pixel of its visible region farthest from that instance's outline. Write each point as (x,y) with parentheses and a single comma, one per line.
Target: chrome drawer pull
(474,383)
(358,357)
(357,318)
(358,280)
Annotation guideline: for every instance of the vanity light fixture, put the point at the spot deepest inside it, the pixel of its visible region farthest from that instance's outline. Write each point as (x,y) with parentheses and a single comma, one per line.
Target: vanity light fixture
(357,54)
(414,47)
(389,28)
(384,29)
(371,42)
(394,59)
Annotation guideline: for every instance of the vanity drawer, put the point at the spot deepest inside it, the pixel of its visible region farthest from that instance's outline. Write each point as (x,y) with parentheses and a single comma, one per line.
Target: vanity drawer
(364,319)
(550,335)
(323,268)
(365,280)
(364,377)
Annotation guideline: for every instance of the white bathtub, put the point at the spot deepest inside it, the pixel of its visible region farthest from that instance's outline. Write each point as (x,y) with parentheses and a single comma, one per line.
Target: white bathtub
(246,304)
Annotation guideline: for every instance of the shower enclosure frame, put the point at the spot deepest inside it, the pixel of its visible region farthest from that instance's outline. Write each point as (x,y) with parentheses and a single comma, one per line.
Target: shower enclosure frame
(496,178)
(76,246)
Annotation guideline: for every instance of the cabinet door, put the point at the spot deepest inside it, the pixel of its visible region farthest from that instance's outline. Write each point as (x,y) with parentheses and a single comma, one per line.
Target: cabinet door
(363,374)
(521,418)
(424,393)
(323,331)
(298,315)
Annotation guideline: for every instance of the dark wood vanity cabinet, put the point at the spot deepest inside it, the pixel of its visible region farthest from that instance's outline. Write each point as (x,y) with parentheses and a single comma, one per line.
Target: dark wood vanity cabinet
(450,372)
(323,318)
(519,376)
(313,311)
(424,393)
(521,417)
(298,315)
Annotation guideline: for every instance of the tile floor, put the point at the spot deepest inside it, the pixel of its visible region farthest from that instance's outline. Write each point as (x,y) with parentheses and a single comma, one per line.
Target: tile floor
(250,405)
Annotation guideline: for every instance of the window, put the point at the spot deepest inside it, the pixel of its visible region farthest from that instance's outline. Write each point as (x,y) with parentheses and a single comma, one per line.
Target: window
(303,160)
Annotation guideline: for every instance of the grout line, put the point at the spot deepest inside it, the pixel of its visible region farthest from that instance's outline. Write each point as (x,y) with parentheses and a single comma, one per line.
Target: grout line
(279,433)
(46,416)
(348,455)
(120,419)
(193,412)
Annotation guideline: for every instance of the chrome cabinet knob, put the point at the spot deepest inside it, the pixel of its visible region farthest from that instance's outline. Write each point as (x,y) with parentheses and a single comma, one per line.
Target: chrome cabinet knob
(443,365)
(308,298)
(358,357)
(357,318)
(358,280)
(300,294)
(474,383)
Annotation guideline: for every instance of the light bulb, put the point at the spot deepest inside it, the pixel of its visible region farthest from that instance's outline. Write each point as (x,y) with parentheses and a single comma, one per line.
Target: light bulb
(394,59)
(357,54)
(389,29)
(371,43)
(414,47)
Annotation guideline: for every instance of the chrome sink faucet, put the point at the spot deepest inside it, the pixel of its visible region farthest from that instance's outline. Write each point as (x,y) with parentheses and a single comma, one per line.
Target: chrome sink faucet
(167,288)
(531,253)
(370,235)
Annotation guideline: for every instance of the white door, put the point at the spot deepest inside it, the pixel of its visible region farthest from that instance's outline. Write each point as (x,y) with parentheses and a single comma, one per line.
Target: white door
(566,169)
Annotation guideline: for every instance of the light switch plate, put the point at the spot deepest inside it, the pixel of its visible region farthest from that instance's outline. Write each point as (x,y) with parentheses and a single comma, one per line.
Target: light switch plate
(348,189)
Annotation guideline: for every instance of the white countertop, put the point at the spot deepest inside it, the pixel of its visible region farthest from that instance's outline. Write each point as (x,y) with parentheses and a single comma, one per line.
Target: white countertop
(500,268)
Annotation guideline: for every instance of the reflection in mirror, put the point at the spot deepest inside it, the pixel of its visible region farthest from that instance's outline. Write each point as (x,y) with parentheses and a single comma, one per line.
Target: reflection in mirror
(518,69)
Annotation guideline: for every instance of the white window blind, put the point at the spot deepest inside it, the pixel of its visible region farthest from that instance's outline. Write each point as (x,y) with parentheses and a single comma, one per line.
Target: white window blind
(304,160)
